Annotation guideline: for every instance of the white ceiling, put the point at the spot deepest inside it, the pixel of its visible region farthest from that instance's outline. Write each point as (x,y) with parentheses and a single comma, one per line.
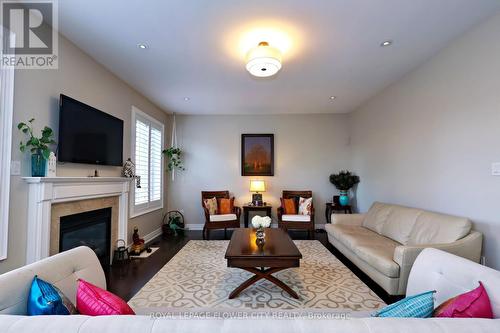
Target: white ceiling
(193,48)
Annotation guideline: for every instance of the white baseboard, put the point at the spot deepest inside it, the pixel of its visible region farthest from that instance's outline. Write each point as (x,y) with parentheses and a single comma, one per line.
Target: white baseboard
(149,237)
(200,226)
(194,226)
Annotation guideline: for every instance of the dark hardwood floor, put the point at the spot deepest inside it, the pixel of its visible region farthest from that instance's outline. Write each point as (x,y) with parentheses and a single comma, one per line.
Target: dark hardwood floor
(127,279)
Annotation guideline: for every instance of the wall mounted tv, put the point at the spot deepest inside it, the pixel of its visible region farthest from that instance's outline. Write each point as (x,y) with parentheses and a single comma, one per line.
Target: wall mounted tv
(87,135)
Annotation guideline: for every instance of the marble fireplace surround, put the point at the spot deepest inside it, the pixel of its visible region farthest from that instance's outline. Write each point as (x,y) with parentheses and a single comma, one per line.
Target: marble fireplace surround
(50,198)
(61,209)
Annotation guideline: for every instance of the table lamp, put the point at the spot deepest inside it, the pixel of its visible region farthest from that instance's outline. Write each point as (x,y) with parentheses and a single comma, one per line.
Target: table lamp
(257,186)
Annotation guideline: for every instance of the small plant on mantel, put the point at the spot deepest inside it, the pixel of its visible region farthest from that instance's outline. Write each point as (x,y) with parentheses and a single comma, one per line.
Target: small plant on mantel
(39,146)
(174,159)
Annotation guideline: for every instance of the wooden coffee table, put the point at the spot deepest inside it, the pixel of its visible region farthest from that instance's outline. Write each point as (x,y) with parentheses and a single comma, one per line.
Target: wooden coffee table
(279,252)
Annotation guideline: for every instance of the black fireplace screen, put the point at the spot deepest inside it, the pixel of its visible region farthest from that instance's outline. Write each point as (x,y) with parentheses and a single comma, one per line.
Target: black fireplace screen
(92,229)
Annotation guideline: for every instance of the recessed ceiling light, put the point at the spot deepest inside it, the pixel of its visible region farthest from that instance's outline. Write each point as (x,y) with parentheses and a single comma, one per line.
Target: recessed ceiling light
(186,99)
(386,43)
(333,97)
(142,46)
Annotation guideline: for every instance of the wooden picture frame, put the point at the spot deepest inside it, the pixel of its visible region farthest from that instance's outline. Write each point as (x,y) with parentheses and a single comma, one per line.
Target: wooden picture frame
(257,154)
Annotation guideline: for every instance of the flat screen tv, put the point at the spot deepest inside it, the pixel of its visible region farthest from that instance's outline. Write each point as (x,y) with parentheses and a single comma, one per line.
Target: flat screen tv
(87,135)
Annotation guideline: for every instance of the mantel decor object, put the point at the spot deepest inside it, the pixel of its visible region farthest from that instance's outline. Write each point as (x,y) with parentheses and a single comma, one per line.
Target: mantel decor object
(128,171)
(39,147)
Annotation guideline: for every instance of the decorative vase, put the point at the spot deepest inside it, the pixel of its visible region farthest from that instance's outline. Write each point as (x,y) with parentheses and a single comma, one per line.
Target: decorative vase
(344,198)
(38,164)
(261,235)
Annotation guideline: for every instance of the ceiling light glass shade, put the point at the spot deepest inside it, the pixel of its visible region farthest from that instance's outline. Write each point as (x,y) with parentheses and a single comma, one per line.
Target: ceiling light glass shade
(263,60)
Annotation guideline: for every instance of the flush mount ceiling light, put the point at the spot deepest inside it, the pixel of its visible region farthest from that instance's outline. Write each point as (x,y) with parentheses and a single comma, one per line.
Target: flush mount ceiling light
(386,43)
(333,97)
(263,60)
(142,46)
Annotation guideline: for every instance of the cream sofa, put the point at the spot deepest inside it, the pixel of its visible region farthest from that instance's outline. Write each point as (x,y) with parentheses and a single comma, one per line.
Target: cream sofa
(386,240)
(436,270)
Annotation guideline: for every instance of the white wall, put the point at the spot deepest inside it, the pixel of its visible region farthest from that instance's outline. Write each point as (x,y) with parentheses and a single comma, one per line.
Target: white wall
(36,94)
(429,140)
(308,148)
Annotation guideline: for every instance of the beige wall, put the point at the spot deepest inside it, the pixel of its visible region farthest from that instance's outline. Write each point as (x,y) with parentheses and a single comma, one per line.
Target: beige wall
(36,95)
(429,140)
(308,148)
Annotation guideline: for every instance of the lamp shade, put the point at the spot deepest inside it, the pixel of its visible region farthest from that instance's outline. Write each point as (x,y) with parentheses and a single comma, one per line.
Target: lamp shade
(257,186)
(263,60)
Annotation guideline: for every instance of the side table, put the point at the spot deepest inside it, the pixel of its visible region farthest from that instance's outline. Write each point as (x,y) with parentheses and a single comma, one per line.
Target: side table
(248,208)
(332,208)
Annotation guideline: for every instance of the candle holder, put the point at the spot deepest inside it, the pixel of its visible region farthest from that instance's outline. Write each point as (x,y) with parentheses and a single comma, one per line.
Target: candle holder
(260,236)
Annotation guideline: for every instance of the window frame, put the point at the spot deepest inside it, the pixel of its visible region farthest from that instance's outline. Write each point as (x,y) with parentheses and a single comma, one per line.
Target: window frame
(6,119)
(150,206)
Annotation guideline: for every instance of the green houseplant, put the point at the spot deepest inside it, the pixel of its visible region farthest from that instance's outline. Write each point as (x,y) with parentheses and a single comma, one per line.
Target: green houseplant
(344,181)
(38,146)
(174,159)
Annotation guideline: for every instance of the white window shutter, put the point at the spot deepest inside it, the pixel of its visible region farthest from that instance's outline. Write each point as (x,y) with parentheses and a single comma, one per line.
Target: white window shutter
(142,161)
(148,143)
(155,169)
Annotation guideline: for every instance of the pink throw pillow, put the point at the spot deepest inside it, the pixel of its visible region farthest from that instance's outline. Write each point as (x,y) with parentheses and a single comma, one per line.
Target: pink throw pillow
(94,301)
(472,304)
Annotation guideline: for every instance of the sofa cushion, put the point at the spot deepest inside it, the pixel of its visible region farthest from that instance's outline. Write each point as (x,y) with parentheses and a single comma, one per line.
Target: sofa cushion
(416,306)
(222,217)
(376,216)
(348,234)
(295,218)
(289,205)
(473,304)
(400,222)
(46,299)
(94,301)
(380,257)
(305,206)
(435,228)
(374,249)
(225,206)
(211,205)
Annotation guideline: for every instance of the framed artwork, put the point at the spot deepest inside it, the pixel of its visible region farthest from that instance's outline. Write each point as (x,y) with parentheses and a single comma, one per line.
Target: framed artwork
(257,154)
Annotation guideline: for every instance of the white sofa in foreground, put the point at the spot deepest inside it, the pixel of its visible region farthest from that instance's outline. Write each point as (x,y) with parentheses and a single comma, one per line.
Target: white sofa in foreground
(385,241)
(433,269)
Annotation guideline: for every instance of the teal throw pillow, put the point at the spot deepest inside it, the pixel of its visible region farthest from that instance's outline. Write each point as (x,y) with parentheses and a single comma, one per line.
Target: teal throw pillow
(417,306)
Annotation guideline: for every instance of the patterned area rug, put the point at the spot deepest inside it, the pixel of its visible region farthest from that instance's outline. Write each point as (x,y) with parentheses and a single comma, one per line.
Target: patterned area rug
(197,277)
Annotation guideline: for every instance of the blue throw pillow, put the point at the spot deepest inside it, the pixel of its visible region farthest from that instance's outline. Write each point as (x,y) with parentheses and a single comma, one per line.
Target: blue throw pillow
(417,306)
(46,299)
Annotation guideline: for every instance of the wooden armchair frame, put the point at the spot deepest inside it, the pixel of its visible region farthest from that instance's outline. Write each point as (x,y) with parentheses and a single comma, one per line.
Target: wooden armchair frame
(219,224)
(288,225)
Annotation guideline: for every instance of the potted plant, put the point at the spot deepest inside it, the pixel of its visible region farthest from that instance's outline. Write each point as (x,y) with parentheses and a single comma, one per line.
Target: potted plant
(174,159)
(344,181)
(39,147)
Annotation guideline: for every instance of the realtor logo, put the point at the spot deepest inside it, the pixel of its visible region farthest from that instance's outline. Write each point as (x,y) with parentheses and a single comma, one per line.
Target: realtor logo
(29,36)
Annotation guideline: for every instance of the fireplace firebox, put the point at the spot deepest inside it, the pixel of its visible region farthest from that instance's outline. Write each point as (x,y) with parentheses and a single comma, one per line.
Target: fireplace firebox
(92,229)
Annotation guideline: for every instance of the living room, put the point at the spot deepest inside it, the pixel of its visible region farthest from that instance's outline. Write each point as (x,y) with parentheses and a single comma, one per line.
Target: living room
(404,96)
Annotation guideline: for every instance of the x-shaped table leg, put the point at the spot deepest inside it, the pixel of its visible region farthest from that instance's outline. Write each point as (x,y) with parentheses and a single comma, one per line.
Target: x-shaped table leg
(263,274)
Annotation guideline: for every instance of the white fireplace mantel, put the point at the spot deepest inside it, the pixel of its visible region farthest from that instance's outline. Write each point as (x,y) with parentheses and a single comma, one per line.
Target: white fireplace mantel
(45,191)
